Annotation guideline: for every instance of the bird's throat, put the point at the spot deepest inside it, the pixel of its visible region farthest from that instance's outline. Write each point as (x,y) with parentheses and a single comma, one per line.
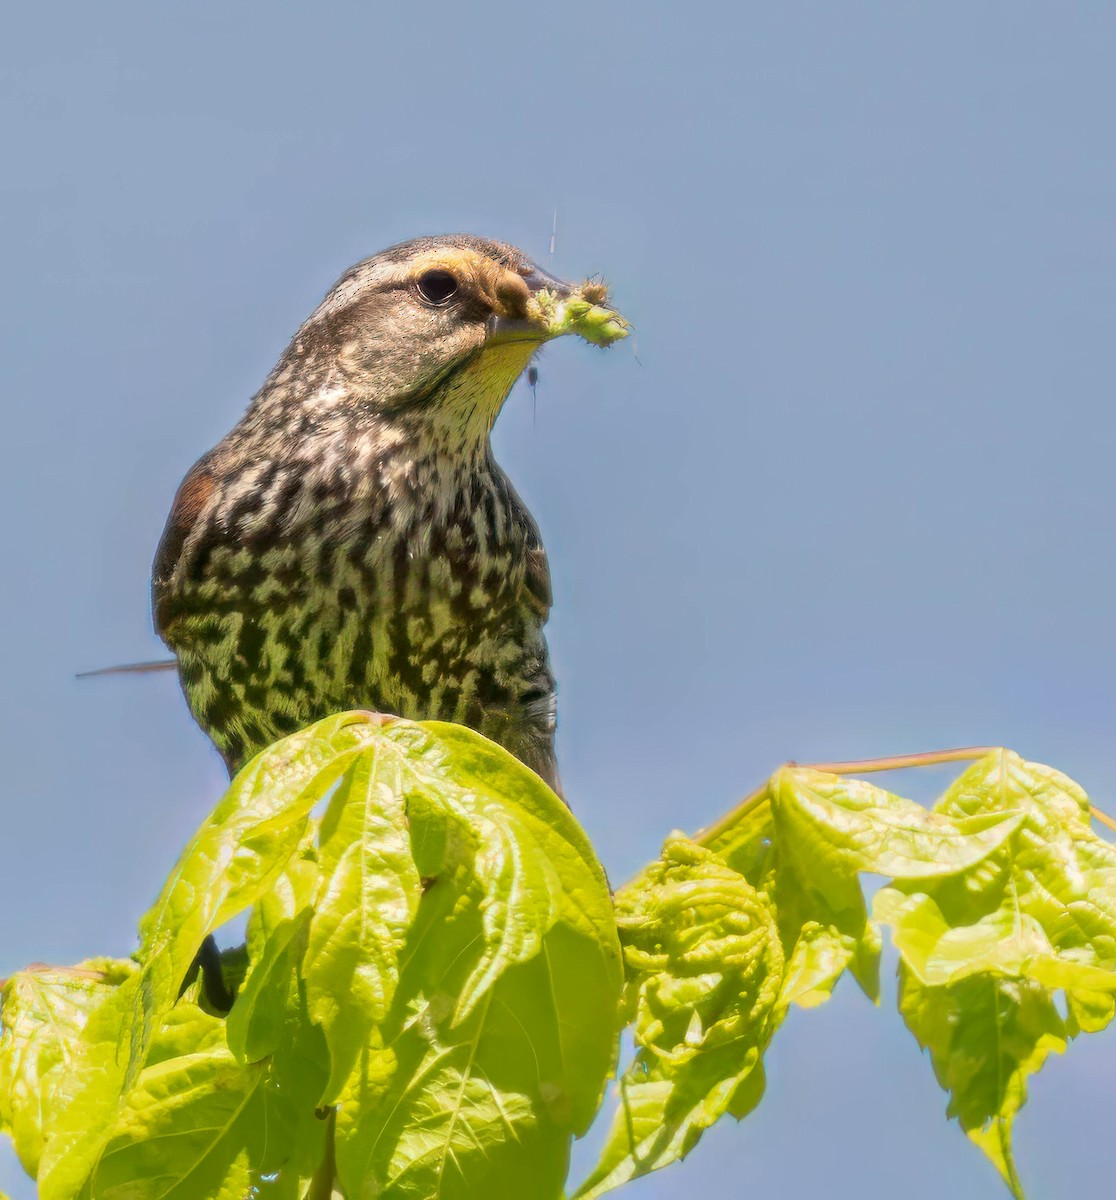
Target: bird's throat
(461,414)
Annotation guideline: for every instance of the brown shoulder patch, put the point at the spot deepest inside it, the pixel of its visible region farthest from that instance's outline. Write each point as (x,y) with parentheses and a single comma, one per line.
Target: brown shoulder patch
(192,496)
(189,502)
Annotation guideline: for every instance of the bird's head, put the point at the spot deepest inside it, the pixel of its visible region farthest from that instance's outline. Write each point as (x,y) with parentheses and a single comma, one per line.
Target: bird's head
(435,331)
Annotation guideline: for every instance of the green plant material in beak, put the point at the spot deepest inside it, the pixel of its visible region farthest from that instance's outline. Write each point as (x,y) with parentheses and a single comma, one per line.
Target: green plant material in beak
(583,313)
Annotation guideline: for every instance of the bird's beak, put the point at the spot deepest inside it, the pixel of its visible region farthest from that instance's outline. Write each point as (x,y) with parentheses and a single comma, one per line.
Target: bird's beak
(554,308)
(501,330)
(531,325)
(542,281)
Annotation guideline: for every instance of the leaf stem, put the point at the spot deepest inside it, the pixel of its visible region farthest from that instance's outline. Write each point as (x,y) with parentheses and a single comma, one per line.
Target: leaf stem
(854,766)
(899,762)
(752,801)
(1102,817)
(321,1186)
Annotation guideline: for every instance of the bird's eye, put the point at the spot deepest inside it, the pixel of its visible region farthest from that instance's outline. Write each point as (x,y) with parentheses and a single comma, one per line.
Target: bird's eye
(436,287)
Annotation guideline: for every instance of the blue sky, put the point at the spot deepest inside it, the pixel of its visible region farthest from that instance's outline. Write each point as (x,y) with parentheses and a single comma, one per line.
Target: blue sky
(853,497)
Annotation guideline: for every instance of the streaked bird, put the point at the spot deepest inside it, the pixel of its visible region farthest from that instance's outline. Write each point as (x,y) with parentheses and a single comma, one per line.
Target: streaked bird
(351,543)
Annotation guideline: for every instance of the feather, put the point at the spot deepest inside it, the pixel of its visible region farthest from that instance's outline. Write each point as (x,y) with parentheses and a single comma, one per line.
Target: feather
(140,668)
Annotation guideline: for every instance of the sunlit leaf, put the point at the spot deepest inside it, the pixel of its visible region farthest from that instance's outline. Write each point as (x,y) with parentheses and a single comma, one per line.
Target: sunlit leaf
(520,884)
(438,954)
(200,1124)
(819,958)
(986,948)
(366,901)
(829,829)
(236,854)
(1001,897)
(986,1035)
(42,1013)
(1009,941)
(276,943)
(704,967)
(445,929)
(482,1101)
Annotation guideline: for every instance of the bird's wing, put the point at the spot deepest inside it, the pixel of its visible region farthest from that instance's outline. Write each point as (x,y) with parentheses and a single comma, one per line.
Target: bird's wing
(536,583)
(537,580)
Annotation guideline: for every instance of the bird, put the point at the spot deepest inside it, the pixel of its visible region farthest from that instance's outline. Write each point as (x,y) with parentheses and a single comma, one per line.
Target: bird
(352,543)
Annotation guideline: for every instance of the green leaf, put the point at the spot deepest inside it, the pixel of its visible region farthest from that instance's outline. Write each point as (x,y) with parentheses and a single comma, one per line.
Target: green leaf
(366,901)
(520,883)
(250,836)
(985,949)
(535,864)
(785,869)
(538,970)
(276,943)
(42,1013)
(1008,942)
(820,956)
(235,856)
(985,1035)
(817,951)
(439,954)
(1001,895)
(828,829)
(1060,873)
(481,1099)
(853,824)
(704,972)
(199,1123)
